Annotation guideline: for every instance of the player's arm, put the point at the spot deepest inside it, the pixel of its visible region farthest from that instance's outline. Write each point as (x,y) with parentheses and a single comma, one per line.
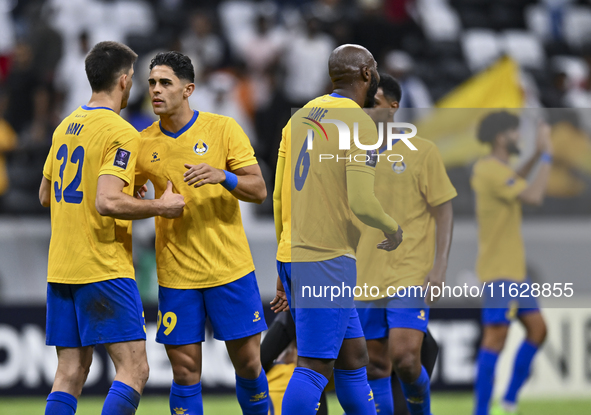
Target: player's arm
(535,191)
(245,183)
(444,222)
(277,201)
(45,192)
(365,205)
(111,201)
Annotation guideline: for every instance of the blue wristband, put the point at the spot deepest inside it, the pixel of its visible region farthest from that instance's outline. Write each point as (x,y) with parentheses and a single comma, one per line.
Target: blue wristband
(231,181)
(546,158)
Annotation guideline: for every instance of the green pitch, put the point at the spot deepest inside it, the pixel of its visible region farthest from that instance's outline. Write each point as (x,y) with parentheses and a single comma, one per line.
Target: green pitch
(443,404)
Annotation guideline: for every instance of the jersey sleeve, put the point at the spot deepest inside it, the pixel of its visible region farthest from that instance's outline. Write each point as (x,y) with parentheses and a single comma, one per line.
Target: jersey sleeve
(240,151)
(356,158)
(48,166)
(141,173)
(120,155)
(434,182)
(284,137)
(500,181)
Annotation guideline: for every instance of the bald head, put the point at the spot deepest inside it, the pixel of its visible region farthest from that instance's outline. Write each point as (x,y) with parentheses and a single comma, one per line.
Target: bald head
(348,60)
(353,71)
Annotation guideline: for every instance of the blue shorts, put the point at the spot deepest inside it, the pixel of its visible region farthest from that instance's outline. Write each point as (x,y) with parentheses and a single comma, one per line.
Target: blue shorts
(89,314)
(501,308)
(378,317)
(320,331)
(235,311)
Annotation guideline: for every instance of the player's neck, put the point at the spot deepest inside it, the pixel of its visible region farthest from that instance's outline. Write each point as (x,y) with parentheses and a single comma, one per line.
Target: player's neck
(351,94)
(174,122)
(103,99)
(501,154)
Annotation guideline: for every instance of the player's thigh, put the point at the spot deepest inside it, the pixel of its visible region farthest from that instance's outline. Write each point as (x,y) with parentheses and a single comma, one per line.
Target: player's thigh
(109,312)
(245,354)
(61,321)
(129,355)
(235,309)
(534,324)
(181,316)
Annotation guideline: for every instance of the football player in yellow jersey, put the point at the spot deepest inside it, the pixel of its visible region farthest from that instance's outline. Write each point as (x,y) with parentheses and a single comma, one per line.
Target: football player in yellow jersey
(92,297)
(500,191)
(414,185)
(204,264)
(314,205)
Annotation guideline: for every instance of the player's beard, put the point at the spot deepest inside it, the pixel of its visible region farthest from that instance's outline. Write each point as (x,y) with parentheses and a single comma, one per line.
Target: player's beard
(125,97)
(513,149)
(370,99)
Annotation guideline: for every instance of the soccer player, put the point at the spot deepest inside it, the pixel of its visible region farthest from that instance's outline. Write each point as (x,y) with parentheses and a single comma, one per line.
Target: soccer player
(500,191)
(204,264)
(92,297)
(414,185)
(316,235)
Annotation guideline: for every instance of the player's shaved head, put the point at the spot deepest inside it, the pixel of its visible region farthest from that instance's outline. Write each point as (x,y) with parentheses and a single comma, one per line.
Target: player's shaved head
(352,68)
(346,61)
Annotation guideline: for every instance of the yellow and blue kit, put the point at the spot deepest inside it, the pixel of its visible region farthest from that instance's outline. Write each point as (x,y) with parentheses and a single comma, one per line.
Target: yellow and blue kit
(92,295)
(204,252)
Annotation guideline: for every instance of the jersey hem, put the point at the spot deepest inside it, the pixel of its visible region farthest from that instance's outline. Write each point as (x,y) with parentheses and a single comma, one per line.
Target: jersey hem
(89,281)
(244,164)
(196,286)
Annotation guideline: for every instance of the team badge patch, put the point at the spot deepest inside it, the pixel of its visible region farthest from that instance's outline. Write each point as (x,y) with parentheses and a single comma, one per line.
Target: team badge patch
(201,148)
(399,167)
(372,158)
(121,158)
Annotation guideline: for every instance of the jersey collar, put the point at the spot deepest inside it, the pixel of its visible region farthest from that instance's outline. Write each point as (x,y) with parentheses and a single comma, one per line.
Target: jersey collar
(182,130)
(87,108)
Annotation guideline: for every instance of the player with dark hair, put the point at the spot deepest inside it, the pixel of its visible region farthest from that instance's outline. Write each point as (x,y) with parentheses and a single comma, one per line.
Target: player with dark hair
(92,297)
(414,185)
(316,234)
(500,191)
(205,268)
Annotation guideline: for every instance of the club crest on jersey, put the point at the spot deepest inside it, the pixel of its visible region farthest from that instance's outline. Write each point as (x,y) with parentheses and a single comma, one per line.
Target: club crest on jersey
(201,148)
(399,167)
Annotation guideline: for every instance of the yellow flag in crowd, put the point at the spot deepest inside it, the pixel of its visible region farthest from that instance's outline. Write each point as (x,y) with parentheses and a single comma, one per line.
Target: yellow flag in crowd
(452,124)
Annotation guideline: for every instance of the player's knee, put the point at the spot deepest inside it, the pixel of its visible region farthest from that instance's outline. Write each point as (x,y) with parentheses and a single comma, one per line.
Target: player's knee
(248,369)
(407,365)
(186,374)
(378,369)
(143,372)
(537,335)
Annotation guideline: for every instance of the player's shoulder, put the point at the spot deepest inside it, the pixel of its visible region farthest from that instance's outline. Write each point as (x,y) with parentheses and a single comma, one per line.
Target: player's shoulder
(151,132)
(213,120)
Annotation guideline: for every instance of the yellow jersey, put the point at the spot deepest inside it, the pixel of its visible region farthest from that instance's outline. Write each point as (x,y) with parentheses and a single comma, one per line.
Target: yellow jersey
(317,220)
(501,253)
(408,183)
(86,247)
(206,246)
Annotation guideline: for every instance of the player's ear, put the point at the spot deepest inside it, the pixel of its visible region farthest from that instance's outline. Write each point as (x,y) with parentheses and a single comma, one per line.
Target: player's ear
(365,73)
(189,88)
(123,81)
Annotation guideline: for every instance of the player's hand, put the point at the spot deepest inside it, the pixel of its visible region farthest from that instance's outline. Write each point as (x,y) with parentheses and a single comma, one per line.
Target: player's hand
(203,174)
(141,192)
(544,139)
(172,203)
(280,303)
(434,278)
(392,240)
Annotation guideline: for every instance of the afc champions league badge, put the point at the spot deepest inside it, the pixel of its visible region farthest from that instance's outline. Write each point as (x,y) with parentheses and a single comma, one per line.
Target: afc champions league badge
(398,167)
(201,148)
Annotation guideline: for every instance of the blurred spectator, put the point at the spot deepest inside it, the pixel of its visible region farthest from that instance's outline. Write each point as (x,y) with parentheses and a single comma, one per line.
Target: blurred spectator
(71,80)
(201,44)
(7,37)
(305,64)
(27,96)
(7,143)
(415,94)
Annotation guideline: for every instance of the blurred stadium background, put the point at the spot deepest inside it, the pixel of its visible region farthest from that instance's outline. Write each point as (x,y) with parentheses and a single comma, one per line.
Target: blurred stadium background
(254,61)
